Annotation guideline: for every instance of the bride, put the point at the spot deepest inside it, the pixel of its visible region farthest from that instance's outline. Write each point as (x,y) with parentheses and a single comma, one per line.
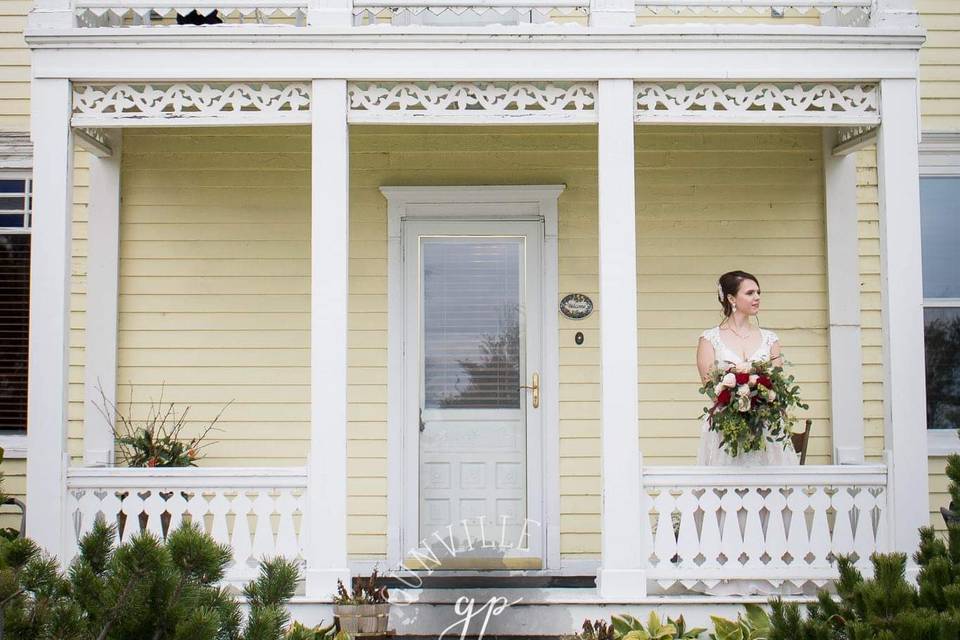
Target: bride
(736,340)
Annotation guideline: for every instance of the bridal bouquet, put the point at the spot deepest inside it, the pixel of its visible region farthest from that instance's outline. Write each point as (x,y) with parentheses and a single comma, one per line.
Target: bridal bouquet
(750,404)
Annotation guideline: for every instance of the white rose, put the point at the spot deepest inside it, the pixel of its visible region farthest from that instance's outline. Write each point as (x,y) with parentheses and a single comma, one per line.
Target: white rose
(753,380)
(743,403)
(743,391)
(729,380)
(771,395)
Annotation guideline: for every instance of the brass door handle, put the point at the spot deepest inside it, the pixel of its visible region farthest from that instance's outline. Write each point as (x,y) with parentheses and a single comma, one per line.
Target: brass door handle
(535,387)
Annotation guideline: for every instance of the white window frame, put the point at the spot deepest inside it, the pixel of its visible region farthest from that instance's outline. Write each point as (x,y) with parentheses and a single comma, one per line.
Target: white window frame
(940,158)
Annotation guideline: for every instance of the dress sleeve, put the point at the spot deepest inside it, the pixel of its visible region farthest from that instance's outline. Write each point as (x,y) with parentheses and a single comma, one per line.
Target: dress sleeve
(710,335)
(771,337)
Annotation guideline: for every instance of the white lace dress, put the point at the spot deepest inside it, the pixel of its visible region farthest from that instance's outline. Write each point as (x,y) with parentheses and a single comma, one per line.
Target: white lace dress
(710,453)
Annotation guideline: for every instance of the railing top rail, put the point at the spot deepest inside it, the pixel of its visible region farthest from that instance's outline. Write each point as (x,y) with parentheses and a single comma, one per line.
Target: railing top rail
(189,4)
(467,3)
(755,3)
(185,477)
(674,476)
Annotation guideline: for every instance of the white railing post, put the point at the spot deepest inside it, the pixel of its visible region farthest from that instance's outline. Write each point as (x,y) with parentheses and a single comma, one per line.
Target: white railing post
(902,308)
(326,547)
(51,14)
(843,283)
(612,13)
(623,556)
(330,13)
(103,241)
(895,13)
(49,311)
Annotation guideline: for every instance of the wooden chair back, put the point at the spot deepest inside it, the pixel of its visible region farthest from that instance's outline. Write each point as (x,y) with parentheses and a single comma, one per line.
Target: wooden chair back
(801,440)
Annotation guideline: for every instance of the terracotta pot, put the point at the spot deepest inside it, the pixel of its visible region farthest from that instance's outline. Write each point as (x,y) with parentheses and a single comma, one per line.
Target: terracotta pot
(362,618)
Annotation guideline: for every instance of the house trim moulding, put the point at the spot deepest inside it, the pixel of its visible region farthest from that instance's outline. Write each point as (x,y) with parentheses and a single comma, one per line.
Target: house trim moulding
(286,56)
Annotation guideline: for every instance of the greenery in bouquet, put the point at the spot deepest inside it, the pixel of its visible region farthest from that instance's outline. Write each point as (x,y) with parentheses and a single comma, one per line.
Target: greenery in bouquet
(750,406)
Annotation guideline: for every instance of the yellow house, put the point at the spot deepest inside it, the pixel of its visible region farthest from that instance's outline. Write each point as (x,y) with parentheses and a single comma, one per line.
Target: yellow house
(365,232)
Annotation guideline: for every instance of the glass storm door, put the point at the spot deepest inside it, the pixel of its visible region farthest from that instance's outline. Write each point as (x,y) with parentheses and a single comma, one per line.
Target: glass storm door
(474,314)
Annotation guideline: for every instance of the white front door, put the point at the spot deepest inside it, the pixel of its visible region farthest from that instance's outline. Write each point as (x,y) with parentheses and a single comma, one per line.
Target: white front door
(473,343)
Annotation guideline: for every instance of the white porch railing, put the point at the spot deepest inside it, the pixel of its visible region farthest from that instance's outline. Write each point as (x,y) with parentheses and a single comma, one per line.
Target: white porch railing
(259,512)
(119,13)
(771,524)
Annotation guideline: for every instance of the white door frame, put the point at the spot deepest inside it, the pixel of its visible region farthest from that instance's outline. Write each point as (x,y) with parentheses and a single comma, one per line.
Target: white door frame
(537,203)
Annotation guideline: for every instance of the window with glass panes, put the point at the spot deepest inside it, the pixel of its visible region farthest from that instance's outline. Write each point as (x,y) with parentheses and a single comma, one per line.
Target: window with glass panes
(15,213)
(940,229)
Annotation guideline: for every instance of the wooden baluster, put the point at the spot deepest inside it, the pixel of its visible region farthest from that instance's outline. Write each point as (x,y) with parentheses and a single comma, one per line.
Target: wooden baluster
(798,537)
(710,530)
(731,541)
(665,542)
(864,538)
(154,506)
(263,544)
(776,504)
(286,535)
(132,507)
(240,540)
(688,542)
(843,504)
(754,544)
(820,529)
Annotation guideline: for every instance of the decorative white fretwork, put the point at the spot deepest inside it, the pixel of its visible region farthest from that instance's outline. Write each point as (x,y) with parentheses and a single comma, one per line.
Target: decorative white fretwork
(159,104)
(446,13)
(471,102)
(850,139)
(124,13)
(712,103)
(784,525)
(257,512)
(837,12)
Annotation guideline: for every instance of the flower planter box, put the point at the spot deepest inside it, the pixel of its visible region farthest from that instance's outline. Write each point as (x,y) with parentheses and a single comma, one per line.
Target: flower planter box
(362,618)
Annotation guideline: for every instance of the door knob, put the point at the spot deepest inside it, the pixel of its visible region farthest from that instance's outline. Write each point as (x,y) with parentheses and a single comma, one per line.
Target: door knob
(535,388)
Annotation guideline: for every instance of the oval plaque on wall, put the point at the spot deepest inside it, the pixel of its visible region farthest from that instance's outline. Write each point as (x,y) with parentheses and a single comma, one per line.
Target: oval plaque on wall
(576,306)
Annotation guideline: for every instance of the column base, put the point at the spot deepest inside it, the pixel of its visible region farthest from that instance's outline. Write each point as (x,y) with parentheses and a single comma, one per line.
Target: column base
(618,584)
(321,584)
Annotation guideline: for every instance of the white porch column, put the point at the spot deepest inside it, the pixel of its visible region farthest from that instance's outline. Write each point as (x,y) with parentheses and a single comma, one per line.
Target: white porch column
(612,13)
(843,282)
(49,311)
(623,554)
(330,13)
(326,549)
(902,298)
(895,13)
(103,244)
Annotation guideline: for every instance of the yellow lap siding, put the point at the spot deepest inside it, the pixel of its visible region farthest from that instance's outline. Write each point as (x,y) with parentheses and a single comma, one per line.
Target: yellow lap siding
(939,497)
(940,65)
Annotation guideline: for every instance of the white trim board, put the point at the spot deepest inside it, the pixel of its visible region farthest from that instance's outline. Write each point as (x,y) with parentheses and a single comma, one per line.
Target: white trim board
(537,202)
(942,442)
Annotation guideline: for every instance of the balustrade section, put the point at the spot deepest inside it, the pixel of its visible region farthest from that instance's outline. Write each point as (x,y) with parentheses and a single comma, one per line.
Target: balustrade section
(258,512)
(773,525)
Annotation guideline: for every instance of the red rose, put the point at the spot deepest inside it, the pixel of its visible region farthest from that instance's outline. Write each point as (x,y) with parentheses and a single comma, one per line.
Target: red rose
(754,401)
(743,378)
(723,397)
(765,381)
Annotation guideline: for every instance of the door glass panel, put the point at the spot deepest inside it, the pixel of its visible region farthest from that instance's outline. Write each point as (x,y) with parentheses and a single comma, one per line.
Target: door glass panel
(473,475)
(471,324)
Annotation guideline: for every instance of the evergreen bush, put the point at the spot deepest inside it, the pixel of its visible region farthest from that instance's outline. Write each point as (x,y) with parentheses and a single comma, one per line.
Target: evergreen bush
(144,589)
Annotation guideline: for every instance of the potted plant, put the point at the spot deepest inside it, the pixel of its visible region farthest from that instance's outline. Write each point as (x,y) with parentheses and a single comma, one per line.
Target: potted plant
(365,610)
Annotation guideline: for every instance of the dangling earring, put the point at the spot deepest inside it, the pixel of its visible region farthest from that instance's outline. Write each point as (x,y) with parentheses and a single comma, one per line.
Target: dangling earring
(734,306)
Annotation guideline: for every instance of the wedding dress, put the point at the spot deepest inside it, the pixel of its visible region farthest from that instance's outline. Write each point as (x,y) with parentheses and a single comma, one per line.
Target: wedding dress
(775,454)
(711,453)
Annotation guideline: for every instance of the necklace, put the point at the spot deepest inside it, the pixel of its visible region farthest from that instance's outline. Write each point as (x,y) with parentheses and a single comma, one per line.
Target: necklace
(737,333)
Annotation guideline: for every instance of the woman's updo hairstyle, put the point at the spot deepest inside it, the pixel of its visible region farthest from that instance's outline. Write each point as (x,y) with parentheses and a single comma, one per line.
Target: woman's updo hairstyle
(729,285)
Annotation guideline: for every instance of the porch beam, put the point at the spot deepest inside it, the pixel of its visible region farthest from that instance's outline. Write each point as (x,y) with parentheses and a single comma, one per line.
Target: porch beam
(843,284)
(103,241)
(326,547)
(49,312)
(622,542)
(905,418)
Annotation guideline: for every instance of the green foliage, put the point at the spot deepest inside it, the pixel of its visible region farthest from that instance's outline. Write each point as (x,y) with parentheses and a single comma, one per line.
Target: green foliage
(626,627)
(887,606)
(753,625)
(145,589)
